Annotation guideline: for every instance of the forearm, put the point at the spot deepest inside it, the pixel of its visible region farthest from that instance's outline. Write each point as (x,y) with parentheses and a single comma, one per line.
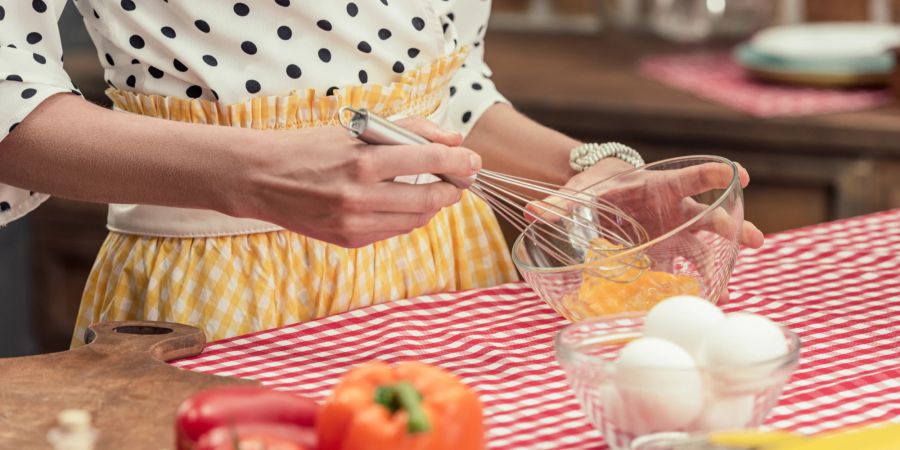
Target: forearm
(513,144)
(71,148)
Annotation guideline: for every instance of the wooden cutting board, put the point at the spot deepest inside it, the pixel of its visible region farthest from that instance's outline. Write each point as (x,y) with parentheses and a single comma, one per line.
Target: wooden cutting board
(121,378)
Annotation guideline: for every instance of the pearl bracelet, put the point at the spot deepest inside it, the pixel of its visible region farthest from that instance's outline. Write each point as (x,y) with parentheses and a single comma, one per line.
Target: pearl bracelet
(586,155)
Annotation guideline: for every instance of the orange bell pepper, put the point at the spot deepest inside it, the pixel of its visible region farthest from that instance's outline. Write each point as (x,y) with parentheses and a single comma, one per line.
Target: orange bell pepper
(409,406)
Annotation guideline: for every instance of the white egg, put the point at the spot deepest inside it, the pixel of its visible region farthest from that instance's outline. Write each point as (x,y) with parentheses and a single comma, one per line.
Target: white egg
(736,350)
(725,413)
(659,385)
(683,320)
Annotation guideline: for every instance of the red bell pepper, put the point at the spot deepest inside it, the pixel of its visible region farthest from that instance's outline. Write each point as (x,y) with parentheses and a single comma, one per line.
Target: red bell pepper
(237,406)
(258,437)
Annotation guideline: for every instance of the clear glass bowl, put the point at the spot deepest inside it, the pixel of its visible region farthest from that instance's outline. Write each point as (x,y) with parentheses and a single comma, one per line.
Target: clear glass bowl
(656,408)
(670,228)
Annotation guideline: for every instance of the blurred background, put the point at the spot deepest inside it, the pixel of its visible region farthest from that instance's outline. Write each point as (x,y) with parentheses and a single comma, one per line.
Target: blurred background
(820,137)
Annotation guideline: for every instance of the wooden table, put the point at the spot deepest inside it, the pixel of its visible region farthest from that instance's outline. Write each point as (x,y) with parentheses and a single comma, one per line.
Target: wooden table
(805,170)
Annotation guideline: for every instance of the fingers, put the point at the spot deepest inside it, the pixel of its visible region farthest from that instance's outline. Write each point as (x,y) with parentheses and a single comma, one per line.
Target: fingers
(751,236)
(390,197)
(697,179)
(390,161)
(428,130)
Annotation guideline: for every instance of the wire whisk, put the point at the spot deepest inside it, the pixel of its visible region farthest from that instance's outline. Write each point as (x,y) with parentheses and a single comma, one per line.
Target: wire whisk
(572,227)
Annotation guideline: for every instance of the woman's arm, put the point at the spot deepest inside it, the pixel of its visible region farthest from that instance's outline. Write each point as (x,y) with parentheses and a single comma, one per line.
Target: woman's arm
(317,181)
(511,143)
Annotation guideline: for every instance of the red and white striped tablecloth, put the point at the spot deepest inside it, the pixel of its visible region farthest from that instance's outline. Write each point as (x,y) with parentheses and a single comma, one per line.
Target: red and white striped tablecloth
(837,285)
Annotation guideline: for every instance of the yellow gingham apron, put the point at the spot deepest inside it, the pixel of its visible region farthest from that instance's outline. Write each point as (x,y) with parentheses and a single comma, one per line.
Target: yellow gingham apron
(236,284)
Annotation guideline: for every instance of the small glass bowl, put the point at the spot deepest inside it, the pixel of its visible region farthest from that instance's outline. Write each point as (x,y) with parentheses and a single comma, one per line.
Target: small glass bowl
(654,408)
(668,235)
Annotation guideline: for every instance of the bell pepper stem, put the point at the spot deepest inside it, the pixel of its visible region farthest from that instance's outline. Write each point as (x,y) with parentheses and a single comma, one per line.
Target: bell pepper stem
(404,396)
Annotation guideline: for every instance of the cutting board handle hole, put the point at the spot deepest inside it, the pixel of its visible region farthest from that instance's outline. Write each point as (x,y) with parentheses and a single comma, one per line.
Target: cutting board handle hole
(138,329)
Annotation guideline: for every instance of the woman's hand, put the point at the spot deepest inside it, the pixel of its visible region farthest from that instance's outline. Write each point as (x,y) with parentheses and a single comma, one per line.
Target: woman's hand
(324,184)
(669,190)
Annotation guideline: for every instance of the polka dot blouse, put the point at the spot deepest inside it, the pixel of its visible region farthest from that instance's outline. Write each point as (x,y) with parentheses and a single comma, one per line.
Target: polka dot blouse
(231,51)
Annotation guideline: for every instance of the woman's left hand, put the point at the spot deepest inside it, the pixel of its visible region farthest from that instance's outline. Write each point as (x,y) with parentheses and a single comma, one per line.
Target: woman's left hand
(673,186)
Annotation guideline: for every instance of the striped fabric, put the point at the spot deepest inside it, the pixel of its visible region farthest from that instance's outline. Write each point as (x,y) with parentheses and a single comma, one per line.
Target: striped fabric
(837,285)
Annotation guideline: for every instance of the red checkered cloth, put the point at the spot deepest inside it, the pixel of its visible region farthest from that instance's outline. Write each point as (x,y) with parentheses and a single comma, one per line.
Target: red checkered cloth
(717,77)
(837,285)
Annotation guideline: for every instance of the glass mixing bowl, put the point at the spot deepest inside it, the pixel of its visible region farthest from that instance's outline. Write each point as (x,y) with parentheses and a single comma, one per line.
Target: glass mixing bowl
(654,407)
(669,228)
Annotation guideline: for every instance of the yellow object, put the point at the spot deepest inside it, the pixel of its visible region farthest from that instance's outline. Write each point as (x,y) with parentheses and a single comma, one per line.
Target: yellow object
(234,285)
(613,285)
(877,437)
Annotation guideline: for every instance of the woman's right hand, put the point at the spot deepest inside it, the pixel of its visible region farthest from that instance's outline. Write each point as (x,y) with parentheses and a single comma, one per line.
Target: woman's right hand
(324,184)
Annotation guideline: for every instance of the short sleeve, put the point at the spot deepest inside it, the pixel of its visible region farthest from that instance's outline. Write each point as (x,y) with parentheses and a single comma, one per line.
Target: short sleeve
(31,70)
(471,90)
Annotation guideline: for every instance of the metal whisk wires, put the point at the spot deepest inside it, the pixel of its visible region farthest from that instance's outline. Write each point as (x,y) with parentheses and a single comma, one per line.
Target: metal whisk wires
(573,227)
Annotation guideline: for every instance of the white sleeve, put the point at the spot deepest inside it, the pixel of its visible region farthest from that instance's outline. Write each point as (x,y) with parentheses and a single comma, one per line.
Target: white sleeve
(471,90)
(31,70)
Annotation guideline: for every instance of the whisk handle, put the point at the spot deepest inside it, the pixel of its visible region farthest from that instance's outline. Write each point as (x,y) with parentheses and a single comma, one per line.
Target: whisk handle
(372,129)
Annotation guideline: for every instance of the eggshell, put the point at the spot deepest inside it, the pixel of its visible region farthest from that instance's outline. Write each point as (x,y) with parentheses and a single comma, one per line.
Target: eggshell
(683,320)
(736,350)
(659,385)
(725,413)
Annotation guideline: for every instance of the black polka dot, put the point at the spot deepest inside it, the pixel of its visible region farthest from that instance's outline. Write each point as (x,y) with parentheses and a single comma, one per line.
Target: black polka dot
(33,37)
(109,59)
(467,116)
(39,6)
(194,91)
(136,41)
(284,3)
(324,24)
(128,5)
(202,25)
(214,93)
(134,61)
(384,2)
(364,47)
(131,81)
(324,54)
(13,127)
(4,206)
(154,72)
(452,91)
(39,58)
(476,86)
(418,23)
(363,76)
(384,33)
(451,16)
(352,9)
(331,90)
(211,60)
(398,67)
(248,47)
(253,86)
(241,9)
(293,71)
(480,29)
(28,93)
(3,13)
(11,46)
(109,82)
(97,16)
(168,32)
(284,32)
(179,66)
(444,27)
(13,78)
(413,52)
(476,44)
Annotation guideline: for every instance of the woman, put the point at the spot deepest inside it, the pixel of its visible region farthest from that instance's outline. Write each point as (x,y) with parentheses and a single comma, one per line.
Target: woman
(251,229)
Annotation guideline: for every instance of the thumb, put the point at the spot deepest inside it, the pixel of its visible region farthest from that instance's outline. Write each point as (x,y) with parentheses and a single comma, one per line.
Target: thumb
(429,130)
